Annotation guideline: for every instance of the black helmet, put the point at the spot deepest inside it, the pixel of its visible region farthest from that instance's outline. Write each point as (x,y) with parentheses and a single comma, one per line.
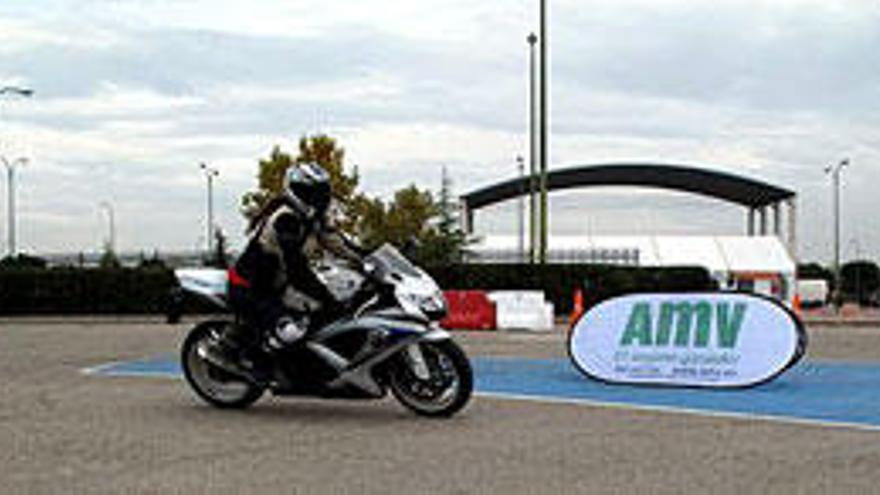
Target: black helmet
(307,186)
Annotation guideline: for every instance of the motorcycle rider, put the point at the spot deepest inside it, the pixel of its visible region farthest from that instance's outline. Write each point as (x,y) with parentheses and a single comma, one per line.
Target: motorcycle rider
(283,236)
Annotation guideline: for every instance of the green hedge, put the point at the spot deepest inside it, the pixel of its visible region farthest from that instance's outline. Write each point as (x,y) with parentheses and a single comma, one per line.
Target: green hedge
(559,282)
(140,291)
(84,291)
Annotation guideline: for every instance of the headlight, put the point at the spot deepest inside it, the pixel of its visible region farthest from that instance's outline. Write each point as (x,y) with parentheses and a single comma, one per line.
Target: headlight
(433,303)
(433,306)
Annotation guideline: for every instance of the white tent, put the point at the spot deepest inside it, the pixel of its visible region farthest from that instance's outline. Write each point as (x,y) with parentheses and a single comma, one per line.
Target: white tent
(727,258)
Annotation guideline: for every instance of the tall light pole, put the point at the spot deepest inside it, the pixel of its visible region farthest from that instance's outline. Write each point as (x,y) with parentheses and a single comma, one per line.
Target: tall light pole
(834,171)
(111,241)
(533,150)
(543,130)
(210,173)
(521,231)
(10,168)
(10,195)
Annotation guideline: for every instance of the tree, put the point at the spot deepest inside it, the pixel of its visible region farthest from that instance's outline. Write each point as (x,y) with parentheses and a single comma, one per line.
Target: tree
(270,178)
(109,260)
(411,214)
(448,245)
(813,270)
(859,280)
(154,262)
(407,216)
(373,218)
(23,261)
(219,258)
(324,151)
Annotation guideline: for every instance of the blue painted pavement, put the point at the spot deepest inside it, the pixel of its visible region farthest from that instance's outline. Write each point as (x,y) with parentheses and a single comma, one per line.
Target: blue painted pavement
(823,392)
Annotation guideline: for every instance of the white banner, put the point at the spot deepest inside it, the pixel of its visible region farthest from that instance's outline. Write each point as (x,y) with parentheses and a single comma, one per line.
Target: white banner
(697,339)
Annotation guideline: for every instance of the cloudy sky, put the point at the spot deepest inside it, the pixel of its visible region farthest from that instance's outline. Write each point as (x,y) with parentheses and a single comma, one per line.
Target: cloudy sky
(132,94)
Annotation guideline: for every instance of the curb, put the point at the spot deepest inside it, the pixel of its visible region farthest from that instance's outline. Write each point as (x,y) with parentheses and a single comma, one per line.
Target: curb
(160,319)
(842,322)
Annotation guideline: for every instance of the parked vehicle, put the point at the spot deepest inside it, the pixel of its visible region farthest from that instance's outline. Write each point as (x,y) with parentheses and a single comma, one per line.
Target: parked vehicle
(390,341)
(813,292)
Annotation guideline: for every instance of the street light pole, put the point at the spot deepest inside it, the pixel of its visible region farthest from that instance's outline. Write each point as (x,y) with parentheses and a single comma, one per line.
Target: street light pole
(10,169)
(543,130)
(10,194)
(533,150)
(112,240)
(521,234)
(210,173)
(834,171)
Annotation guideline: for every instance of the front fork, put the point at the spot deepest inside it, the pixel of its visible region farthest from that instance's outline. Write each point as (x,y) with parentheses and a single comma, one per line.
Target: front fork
(415,356)
(417,362)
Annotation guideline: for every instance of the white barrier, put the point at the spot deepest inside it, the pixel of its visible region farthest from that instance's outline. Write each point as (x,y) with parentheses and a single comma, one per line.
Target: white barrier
(522,310)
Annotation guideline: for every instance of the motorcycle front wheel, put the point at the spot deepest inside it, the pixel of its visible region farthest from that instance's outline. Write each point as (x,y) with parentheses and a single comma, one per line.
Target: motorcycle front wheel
(445,385)
(216,386)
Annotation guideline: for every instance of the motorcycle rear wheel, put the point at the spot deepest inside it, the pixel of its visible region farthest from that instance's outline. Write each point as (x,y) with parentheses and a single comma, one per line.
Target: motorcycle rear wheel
(214,385)
(445,392)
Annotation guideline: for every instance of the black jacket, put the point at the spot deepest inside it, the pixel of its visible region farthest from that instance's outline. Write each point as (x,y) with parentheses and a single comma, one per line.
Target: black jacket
(276,254)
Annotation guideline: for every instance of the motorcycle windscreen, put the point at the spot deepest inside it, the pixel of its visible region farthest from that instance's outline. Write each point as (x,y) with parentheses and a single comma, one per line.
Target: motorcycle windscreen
(687,339)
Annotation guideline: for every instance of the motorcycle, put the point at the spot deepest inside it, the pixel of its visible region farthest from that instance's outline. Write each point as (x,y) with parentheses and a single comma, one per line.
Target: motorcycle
(391,341)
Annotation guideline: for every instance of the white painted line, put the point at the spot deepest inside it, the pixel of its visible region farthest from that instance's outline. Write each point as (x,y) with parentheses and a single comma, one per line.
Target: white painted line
(93,370)
(165,375)
(681,410)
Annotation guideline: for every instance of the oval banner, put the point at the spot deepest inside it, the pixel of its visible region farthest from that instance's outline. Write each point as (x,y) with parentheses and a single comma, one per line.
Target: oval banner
(688,339)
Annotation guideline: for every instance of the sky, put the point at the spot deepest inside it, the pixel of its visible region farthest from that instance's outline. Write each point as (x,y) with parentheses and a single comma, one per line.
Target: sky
(132,95)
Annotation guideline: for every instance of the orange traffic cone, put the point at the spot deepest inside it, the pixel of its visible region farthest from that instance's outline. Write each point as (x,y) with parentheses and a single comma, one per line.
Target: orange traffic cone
(796,305)
(578,308)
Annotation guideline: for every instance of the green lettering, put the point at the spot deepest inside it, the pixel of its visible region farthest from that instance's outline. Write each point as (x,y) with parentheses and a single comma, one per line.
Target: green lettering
(704,324)
(638,329)
(729,326)
(664,325)
(685,312)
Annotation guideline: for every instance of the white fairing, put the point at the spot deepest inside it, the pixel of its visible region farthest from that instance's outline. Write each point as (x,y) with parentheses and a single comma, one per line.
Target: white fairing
(413,293)
(208,282)
(415,290)
(212,284)
(341,281)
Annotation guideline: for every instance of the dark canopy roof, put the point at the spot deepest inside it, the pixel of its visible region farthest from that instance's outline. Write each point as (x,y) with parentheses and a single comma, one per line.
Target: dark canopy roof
(721,185)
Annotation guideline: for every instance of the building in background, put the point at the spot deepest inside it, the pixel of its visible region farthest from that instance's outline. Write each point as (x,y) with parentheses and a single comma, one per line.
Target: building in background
(760,264)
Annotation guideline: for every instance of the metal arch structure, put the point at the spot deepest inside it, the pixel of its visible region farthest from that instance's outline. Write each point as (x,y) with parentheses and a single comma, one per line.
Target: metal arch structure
(756,196)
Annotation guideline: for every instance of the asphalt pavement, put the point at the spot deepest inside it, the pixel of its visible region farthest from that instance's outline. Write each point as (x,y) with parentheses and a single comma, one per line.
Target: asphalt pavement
(63,431)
